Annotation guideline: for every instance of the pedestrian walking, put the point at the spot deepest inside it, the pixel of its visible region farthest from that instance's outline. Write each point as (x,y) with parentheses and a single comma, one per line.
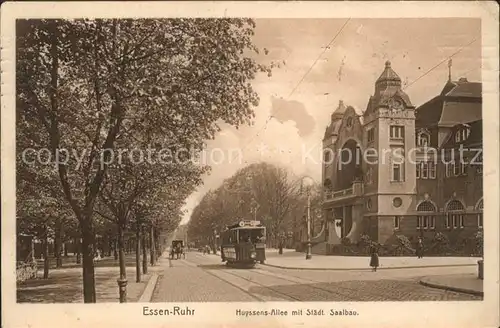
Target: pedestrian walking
(420,248)
(374,257)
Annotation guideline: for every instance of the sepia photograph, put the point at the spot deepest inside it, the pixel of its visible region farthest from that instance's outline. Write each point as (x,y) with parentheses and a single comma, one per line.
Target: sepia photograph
(173,161)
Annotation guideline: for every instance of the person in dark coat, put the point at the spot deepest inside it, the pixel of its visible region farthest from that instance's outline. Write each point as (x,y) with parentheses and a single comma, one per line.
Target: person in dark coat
(374,257)
(420,248)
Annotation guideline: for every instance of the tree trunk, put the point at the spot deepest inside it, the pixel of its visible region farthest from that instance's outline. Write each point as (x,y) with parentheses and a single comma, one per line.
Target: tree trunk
(121,251)
(78,251)
(157,246)
(115,250)
(138,252)
(110,246)
(144,252)
(105,246)
(87,247)
(58,242)
(65,249)
(46,261)
(121,256)
(152,251)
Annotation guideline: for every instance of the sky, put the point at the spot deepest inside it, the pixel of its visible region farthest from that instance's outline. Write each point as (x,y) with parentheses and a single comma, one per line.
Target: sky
(297,100)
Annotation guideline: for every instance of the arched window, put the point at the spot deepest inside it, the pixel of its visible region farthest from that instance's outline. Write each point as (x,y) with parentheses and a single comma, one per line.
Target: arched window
(423,139)
(462,133)
(479,208)
(426,219)
(455,214)
(349,122)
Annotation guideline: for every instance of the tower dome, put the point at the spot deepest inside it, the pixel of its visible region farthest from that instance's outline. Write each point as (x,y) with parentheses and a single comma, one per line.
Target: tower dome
(388,80)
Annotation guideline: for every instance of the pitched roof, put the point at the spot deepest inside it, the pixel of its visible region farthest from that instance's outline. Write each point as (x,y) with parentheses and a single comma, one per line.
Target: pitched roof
(464,88)
(459,102)
(455,112)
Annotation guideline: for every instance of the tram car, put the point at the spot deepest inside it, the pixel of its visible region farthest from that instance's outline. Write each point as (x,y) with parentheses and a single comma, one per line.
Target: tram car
(243,244)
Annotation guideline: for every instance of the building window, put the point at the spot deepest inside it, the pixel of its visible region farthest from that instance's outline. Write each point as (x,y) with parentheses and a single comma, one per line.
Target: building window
(462,134)
(396,173)
(397,132)
(327,156)
(397,202)
(425,170)
(432,170)
(369,175)
(457,220)
(427,220)
(423,139)
(456,169)
(449,169)
(397,166)
(397,221)
(463,168)
(455,215)
(478,161)
(420,222)
(371,135)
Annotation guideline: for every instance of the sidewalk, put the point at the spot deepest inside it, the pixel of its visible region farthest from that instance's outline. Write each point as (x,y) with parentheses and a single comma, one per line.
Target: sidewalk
(462,283)
(66,286)
(296,260)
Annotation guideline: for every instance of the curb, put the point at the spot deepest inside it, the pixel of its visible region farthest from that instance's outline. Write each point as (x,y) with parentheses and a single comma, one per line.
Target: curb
(147,294)
(450,288)
(369,269)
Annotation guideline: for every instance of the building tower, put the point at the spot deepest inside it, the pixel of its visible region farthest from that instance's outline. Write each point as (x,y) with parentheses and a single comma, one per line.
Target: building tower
(390,181)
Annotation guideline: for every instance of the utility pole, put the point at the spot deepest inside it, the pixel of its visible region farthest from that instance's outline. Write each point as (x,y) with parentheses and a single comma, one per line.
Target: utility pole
(309,251)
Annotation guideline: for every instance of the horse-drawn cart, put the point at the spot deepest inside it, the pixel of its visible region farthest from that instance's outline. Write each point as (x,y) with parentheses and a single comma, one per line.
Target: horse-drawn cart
(177,249)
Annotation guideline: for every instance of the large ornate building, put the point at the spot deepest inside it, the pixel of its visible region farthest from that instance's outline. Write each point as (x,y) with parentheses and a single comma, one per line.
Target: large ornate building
(391,170)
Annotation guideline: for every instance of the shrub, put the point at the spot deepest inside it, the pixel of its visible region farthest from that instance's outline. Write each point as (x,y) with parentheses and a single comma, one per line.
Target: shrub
(441,239)
(346,241)
(479,237)
(365,240)
(403,241)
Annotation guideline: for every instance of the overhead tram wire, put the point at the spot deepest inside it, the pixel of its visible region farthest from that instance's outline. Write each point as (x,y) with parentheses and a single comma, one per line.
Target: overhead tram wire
(300,81)
(441,62)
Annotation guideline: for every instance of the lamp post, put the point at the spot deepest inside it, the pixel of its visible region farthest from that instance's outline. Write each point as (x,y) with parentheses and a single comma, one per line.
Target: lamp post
(309,251)
(215,241)
(308,218)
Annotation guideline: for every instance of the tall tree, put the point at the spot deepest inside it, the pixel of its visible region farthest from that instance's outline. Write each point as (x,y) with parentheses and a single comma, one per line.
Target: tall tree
(84,81)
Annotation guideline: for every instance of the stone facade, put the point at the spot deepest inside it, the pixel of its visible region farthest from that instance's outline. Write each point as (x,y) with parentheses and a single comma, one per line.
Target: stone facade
(396,179)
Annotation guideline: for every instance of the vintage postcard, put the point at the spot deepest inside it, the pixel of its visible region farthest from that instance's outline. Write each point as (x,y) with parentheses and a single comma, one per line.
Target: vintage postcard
(323,164)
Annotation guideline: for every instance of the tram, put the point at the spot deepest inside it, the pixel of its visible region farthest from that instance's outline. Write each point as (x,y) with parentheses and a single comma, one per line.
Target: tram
(243,244)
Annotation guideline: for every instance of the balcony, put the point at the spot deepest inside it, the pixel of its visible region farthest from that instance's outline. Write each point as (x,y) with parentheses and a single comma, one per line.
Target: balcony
(355,191)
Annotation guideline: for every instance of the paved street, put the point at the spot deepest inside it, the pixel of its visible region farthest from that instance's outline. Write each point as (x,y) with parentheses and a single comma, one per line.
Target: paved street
(203,278)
